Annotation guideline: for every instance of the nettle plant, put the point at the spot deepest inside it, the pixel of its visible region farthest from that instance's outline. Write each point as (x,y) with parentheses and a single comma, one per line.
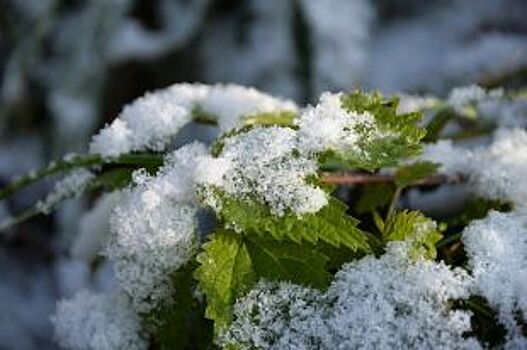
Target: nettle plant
(244,243)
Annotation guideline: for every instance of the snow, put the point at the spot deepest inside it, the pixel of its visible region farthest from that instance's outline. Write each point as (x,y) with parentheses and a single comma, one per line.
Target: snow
(97,321)
(374,303)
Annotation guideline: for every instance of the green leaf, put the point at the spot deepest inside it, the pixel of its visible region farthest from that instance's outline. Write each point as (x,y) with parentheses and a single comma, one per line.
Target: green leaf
(280,118)
(438,123)
(410,174)
(288,261)
(374,196)
(331,224)
(414,227)
(232,263)
(225,273)
(475,209)
(398,137)
(180,324)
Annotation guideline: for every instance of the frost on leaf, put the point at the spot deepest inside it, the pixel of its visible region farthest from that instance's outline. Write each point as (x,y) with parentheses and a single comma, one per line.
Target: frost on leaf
(379,303)
(72,185)
(263,163)
(153,230)
(361,130)
(231,265)
(152,120)
(419,232)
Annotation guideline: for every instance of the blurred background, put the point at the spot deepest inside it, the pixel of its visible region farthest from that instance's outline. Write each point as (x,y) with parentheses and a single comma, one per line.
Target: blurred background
(68,67)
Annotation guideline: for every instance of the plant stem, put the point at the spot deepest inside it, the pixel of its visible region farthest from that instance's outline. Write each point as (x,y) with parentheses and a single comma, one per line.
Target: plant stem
(354,178)
(52,169)
(74,162)
(448,240)
(393,203)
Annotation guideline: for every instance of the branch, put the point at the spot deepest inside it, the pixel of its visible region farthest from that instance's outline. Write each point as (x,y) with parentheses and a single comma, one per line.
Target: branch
(79,161)
(356,178)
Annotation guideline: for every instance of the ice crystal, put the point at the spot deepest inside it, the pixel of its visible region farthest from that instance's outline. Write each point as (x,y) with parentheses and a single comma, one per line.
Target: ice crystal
(150,121)
(98,321)
(153,230)
(497,251)
(328,126)
(374,303)
(495,171)
(71,186)
(94,228)
(415,103)
(461,97)
(262,162)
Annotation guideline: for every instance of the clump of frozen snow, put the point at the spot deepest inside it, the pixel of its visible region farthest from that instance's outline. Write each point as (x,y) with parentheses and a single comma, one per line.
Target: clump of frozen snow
(72,185)
(153,229)
(98,321)
(378,303)
(497,251)
(328,126)
(495,106)
(94,228)
(495,171)
(262,163)
(461,97)
(152,120)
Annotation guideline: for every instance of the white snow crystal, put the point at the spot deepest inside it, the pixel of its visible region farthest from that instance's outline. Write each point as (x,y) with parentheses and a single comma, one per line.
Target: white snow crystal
(72,185)
(153,230)
(415,103)
(261,163)
(495,171)
(98,322)
(328,126)
(150,121)
(497,251)
(94,228)
(375,303)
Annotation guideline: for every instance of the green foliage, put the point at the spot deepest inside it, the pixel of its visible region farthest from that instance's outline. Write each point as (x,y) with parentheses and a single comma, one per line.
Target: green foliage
(180,324)
(438,122)
(374,196)
(288,261)
(476,209)
(225,273)
(283,118)
(399,134)
(331,224)
(411,174)
(232,263)
(251,243)
(414,227)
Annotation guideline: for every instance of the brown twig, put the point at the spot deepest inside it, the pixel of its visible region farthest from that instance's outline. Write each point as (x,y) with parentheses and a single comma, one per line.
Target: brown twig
(356,178)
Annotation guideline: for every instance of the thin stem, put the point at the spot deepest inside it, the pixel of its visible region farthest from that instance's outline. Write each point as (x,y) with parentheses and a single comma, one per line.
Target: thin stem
(86,161)
(52,169)
(353,178)
(448,240)
(393,203)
